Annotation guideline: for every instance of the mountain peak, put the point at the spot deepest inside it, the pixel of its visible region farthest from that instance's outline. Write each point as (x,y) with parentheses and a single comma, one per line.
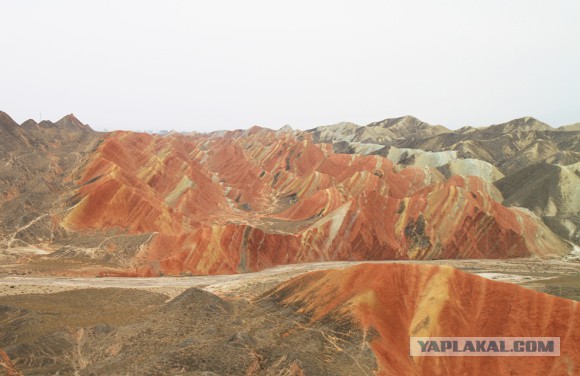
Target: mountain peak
(406,121)
(526,123)
(71,122)
(29,123)
(285,129)
(408,126)
(410,118)
(6,120)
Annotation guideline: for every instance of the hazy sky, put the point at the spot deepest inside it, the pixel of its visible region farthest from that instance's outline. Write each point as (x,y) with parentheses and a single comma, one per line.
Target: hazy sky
(207,65)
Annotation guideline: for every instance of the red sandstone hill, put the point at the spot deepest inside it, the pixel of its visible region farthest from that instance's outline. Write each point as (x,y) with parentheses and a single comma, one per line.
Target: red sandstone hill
(6,366)
(355,321)
(227,202)
(247,200)
(392,302)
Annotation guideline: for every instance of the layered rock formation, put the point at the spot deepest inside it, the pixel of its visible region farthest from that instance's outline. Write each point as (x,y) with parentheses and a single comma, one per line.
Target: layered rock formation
(516,149)
(38,167)
(6,365)
(244,201)
(550,191)
(571,127)
(383,132)
(139,204)
(355,321)
(391,303)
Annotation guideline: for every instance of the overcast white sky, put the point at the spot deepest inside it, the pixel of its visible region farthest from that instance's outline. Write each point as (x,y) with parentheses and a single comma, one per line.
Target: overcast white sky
(207,65)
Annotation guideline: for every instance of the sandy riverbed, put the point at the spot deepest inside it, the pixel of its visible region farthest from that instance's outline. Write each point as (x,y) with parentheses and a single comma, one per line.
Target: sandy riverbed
(532,273)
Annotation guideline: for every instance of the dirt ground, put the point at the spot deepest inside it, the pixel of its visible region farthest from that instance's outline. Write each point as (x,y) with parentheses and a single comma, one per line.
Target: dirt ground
(558,277)
(176,325)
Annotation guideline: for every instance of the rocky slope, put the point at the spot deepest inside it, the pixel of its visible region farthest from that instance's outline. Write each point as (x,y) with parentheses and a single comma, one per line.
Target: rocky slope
(385,132)
(355,321)
(390,303)
(497,144)
(513,149)
(502,143)
(6,365)
(550,191)
(571,127)
(244,201)
(38,165)
(137,204)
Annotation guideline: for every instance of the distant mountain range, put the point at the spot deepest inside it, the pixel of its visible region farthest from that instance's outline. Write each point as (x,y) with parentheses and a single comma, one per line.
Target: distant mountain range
(525,158)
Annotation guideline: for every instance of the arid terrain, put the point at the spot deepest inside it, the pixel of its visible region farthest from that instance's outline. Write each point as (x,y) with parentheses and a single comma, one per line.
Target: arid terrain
(285,252)
(78,202)
(557,276)
(270,323)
